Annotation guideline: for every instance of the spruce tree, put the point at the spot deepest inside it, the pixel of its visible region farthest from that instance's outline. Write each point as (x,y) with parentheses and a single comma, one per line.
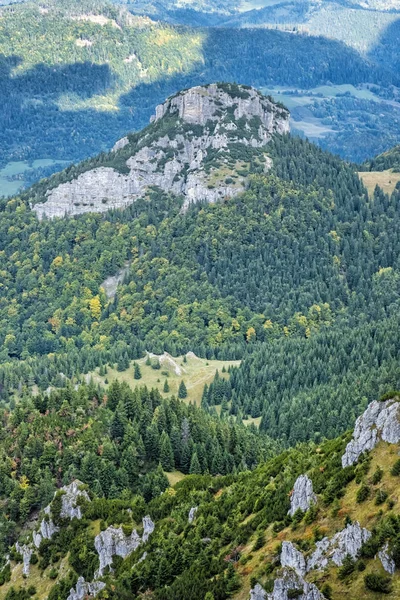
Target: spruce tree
(166,453)
(195,468)
(166,386)
(137,374)
(182,392)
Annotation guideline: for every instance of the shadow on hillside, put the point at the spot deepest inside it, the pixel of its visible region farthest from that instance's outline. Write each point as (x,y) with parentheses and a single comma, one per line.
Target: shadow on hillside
(387,51)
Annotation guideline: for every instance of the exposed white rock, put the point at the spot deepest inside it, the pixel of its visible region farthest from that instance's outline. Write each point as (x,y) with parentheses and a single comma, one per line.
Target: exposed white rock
(347,541)
(26,553)
(387,560)
(111,284)
(293,558)
(69,500)
(47,529)
(175,165)
(192,513)
(85,590)
(167,360)
(113,542)
(258,593)
(303,495)
(381,421)
(289,581)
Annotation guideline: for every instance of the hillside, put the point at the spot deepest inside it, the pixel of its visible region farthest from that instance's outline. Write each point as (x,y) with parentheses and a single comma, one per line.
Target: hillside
(227,279)
(316,522)
(112,68)
(389,160)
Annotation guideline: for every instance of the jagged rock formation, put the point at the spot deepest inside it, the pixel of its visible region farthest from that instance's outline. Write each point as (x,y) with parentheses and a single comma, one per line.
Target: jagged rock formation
(192,513)
(290,581)
(387,560)
(69,500)
(47,529)
(26,553)
(85,590)
(113,542)
(258,593)
(303,495)
(381,421)
(347,541)
(293,558)
(185,151)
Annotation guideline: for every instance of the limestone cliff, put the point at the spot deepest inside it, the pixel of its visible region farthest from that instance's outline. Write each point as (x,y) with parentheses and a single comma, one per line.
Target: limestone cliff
(190,149)
(381,421)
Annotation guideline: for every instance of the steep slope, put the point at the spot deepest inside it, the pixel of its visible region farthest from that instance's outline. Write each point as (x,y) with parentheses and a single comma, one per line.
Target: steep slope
(187,150)
(307,524)
(387,160)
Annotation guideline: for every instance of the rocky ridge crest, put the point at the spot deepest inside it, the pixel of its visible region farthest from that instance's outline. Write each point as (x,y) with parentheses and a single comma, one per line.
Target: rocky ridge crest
(189,150)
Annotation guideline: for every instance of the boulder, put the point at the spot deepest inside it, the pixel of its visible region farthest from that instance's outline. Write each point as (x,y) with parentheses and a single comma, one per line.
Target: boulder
(258,593)
(192,513)
(303,495)
(387,560)
(381,421)
(290,581)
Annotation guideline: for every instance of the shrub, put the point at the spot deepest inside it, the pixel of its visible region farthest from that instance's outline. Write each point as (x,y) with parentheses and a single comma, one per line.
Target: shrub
(347,567)
(377,476)
(362,493)
(327,591)
(396,468)
(381,497)
(389,395)
(378,583)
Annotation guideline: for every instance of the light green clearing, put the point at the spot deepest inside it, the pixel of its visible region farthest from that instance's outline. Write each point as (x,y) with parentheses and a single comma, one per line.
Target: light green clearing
(8,186)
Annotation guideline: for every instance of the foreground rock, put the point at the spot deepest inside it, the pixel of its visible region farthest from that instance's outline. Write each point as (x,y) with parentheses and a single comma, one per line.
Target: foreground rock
(72,494)
(26,553)
(293,558)
(387,560)
(335,549)
(288,585)
(47,529)
(85,590)
(303,496)
(381,421)
(171,154)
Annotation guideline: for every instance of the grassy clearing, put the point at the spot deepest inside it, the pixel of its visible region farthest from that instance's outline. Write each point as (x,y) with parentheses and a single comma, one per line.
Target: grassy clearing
(41,581)
(195,372)
(386,180)
(174,477)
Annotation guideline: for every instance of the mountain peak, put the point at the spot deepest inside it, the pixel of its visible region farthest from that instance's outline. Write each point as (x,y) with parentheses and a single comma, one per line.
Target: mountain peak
(199,145)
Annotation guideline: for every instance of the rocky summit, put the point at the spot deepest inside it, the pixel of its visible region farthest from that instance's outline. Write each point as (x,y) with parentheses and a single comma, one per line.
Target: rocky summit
(199,145)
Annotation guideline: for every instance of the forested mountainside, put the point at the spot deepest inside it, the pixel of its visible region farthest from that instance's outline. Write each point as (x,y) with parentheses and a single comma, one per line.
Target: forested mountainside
(315,522)
(111,68)
(296,260)
(387,160)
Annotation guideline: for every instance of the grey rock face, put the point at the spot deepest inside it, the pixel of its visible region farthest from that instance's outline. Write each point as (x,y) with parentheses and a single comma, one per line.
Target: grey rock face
(192,513)
(292,581)
(85,590)
(258,593)
(347,541)
(26,553)
(387,561)
(69,507)
(303,495)
(176,165)
(291,557)
(47,530)
(113,542)
(381,421)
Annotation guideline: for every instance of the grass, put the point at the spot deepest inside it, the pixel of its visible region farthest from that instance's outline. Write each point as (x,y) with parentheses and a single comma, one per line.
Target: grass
(196,373)
(41,581)
(174,477)
(386,180)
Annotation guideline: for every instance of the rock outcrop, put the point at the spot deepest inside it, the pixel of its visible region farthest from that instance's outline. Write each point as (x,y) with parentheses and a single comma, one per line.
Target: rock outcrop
(85,590)
(293,558)
(303,495)
(113,542)
(285,587)
(335,549)
(258,593)
(69,500)
(192,513)
(172,153)
(47,529)
(381,421)
(387,560)
(26,553)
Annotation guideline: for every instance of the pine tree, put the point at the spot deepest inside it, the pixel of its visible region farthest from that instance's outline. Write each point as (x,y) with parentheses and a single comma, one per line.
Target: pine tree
(182,392)
(166,386)
(137,374)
